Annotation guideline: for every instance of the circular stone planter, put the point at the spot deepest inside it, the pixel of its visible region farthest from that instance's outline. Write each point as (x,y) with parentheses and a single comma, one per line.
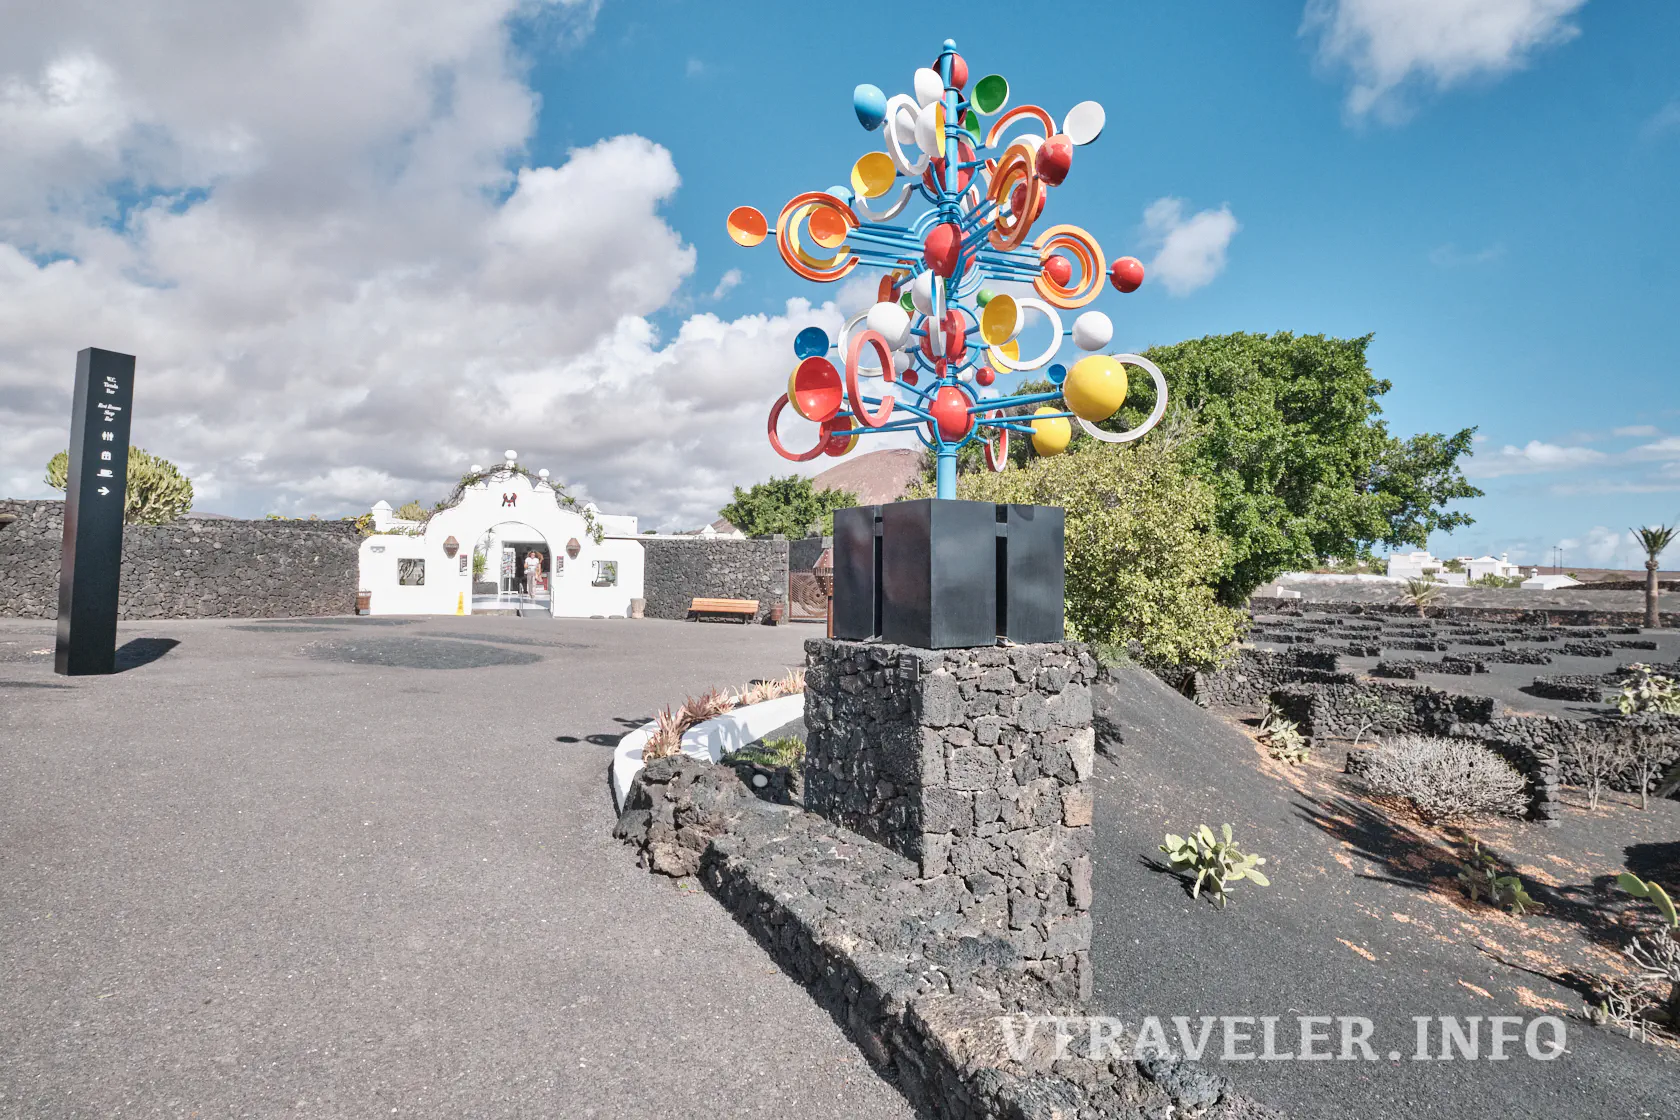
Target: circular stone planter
(710,740)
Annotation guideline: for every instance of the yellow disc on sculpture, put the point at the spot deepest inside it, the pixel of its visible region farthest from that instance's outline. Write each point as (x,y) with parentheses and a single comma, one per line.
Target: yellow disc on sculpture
(1051,433)
(1095,387)
(792,393)
(1000,320)
(873,174)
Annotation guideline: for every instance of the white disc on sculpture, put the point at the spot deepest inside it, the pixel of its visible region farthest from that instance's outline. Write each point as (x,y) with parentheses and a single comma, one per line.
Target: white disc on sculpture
(1092,331)
(1155,414)
(966,375)
(927,128)
(921,291)
(1031,141)
(1084,122)
(860,206)
(901,361)
(891,322)
(929,86)
(1000,361)
(844,345)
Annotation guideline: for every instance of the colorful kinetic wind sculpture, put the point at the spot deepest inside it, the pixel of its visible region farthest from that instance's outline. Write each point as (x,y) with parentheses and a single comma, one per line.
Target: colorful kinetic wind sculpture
(936,335)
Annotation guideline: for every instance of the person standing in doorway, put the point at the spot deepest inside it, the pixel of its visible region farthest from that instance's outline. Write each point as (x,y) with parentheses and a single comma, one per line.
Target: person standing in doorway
(533,569)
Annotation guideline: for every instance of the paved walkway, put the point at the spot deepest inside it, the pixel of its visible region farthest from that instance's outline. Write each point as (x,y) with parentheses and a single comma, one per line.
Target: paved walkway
(271,870)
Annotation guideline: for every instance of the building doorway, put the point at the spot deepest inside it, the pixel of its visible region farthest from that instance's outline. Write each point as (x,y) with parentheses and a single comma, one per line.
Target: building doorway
(504,579)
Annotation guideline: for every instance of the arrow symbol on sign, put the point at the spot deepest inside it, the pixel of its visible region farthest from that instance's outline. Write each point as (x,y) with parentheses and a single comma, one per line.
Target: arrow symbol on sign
(104,490)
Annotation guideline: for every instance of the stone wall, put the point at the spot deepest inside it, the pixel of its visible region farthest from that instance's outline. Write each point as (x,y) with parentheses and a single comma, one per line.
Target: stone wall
(1527,616)
(679,570)
(975,764)
(921,986)
(189,568)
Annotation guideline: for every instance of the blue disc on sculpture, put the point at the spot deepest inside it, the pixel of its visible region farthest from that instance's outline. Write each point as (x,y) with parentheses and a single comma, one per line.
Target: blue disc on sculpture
(812,342)
(1057,374)
(871,106)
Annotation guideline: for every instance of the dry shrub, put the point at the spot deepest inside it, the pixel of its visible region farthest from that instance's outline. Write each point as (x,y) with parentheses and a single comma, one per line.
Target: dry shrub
(666,739)
(1446,779)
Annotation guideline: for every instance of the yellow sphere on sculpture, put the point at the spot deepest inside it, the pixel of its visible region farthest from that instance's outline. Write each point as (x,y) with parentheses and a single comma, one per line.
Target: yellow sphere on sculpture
(1095,387)
(1051,432)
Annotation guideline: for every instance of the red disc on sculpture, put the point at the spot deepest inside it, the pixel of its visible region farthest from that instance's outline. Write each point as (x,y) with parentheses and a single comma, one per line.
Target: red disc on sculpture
(842,436)
(950,411)
(1126,273)
(816,390)
(1055,156)
(943,249)
(959,71)
(956,339)
(1058,268)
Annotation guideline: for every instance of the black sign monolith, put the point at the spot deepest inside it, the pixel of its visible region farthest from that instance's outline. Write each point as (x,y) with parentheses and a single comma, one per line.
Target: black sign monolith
(93,514)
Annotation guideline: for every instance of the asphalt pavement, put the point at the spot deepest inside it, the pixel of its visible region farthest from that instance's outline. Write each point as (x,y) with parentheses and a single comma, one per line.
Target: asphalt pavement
(362,867)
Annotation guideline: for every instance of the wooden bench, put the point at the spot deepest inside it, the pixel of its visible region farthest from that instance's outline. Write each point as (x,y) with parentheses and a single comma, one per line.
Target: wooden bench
(746,608)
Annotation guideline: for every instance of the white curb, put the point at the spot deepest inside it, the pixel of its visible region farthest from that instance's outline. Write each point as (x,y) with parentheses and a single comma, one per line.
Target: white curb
(710,740)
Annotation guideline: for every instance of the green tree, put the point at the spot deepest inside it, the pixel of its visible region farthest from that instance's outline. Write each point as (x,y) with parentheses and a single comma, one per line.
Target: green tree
(1654,539)
(1287,430)
(1143,551)
(790,506)
(157,491)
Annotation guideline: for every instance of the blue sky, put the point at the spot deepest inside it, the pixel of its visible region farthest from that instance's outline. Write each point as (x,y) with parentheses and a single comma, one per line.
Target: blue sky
(361,245)
(1510,240)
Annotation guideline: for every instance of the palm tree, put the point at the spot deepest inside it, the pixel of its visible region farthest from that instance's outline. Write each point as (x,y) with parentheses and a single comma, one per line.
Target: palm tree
(1654,539)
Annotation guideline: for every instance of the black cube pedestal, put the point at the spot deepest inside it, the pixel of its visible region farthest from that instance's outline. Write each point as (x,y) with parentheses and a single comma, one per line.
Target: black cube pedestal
(939,585)
(1031,573)
(857,568)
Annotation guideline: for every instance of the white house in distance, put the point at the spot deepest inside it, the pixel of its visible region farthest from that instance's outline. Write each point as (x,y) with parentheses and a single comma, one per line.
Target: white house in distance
(1421,565)
(505,517)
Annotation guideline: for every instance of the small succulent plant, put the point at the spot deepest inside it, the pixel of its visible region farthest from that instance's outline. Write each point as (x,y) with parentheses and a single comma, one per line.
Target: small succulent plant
(1216,860)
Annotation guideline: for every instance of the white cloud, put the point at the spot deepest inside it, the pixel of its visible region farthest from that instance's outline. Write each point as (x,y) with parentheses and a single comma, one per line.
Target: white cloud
(1389,46)
(1192,250)
(1451,256)
(1601,547)
(1534,457)
(1636,431)
(310,222)
(726,283)
(1666,119)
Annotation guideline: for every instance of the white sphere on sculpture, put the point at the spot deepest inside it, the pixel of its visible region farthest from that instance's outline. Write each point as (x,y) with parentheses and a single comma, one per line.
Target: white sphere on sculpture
(891,322)
(1092,331)
(901,361)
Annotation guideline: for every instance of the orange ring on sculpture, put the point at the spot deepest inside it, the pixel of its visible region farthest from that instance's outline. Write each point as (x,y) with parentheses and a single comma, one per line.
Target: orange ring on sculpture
(1015,169)
(1085,249)
(996,463)
(798,209)
(776,442)
(1015,114)
(884,352)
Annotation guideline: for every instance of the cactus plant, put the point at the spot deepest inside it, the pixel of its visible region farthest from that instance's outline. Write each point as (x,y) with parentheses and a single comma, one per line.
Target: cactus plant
(1217,861)
(1480,873)
(157,491)
(1285,742)
(1653,893)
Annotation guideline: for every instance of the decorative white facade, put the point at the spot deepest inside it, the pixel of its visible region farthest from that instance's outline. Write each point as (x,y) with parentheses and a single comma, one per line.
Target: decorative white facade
(409,571)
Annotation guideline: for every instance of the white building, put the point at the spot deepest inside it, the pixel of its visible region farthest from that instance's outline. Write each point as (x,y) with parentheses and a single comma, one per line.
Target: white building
(407,569)
(1488,566)
(1414,565)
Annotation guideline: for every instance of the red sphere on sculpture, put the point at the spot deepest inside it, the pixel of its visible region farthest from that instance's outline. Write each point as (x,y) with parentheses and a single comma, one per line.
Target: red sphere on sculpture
(950,412)
(1058,268)
(1055,157)
(1126,273)
(942,250)
(956,339)
(984,376)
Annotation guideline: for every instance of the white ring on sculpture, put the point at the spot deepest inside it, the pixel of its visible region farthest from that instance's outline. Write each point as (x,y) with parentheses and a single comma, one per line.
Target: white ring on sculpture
(1093,330)
(1084,122)
(862,210)
(1001,362)
(845,342)
(897,108)
(1159,411)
